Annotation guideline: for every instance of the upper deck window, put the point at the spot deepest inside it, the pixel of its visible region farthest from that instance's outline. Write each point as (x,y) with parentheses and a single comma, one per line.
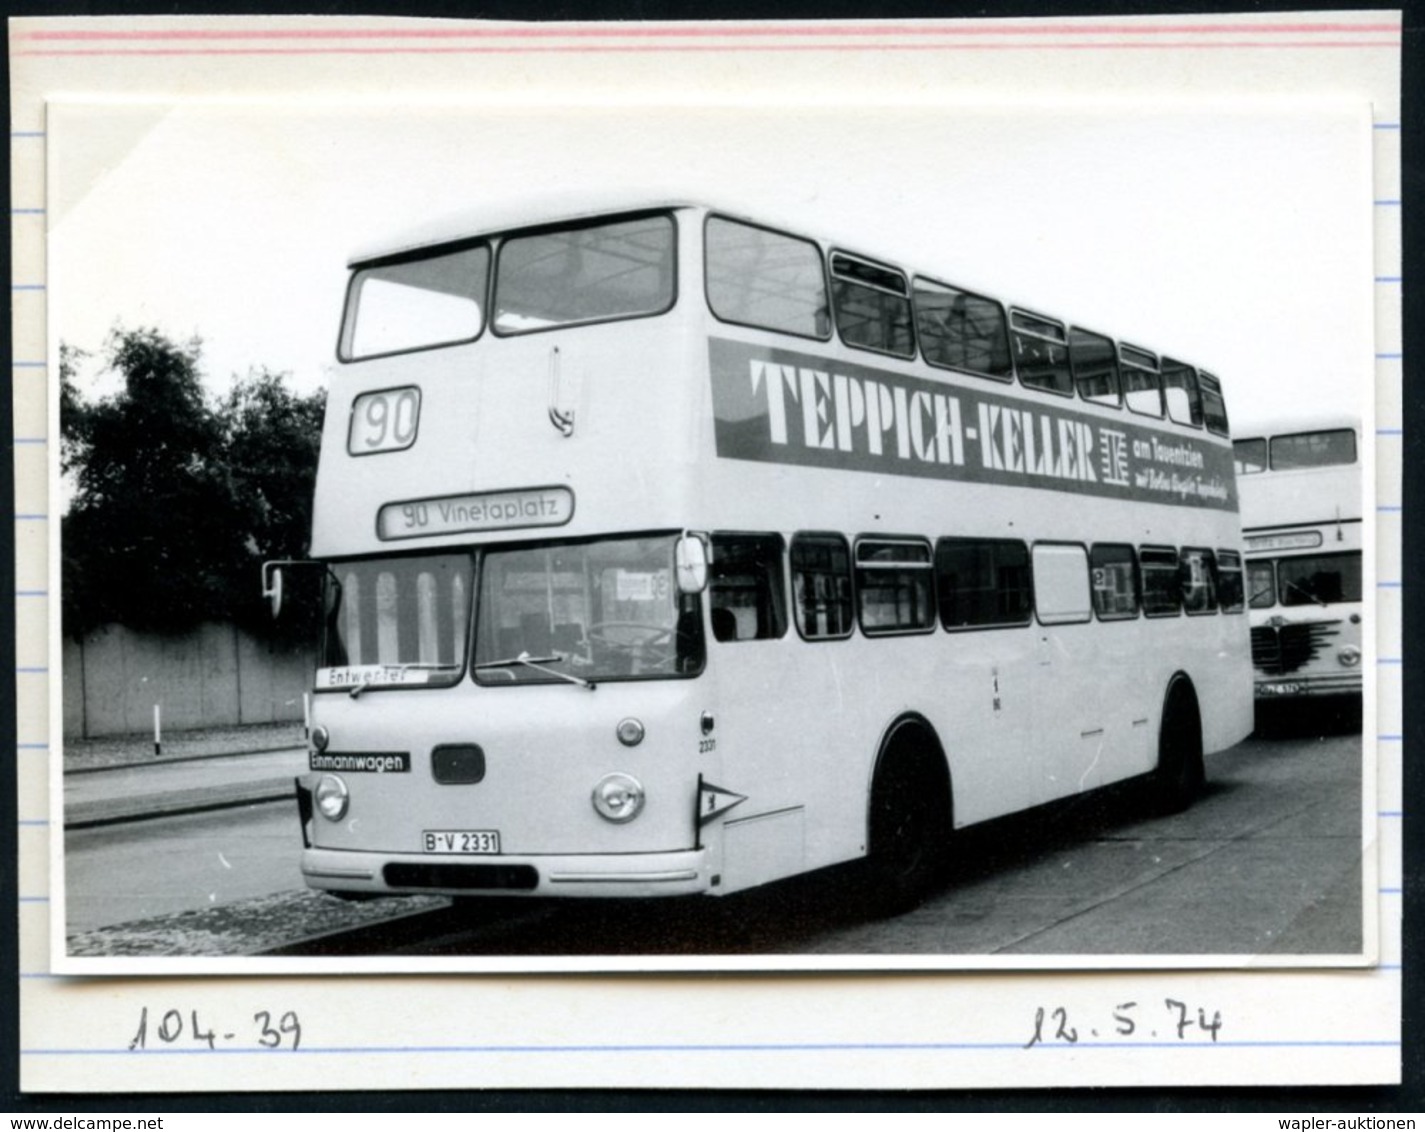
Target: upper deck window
(1314,449)
(1041,353)
(416,304)
(962,331)
(586,273)
(757,277)
(1181,393)
(1094,361)
(1142,382)
(1214,408)
(1249,456)
(872,306)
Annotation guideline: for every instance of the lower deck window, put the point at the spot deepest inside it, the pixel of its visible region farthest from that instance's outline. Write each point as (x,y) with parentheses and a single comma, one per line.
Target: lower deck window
(1198,575)
(893,587)
(821,586)
(1061,583)
(1230,597)
(1162,592)
(1114,569)
(747,594)
(982,582)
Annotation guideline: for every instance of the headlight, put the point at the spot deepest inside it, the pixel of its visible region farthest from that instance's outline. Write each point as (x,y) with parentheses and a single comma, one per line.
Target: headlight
(618,797)
(630,732)
(331,797)
(1349,655)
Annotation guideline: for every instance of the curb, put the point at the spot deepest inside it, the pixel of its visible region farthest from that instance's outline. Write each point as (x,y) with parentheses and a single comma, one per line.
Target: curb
(166,760)
(89,815)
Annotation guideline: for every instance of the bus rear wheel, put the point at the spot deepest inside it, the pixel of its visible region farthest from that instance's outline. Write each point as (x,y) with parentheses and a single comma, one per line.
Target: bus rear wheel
(1179,776)
(910,828)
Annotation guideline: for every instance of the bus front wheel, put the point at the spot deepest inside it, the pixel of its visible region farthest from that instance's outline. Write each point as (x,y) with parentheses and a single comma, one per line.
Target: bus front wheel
(1179,776)
(910,827)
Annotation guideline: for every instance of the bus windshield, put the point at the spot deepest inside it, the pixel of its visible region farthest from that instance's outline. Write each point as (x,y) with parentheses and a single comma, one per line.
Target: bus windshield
(1319,579)
(396,622)
(594,611)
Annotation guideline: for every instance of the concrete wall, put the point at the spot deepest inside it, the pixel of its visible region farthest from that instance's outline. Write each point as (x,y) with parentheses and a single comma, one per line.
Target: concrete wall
(215,675)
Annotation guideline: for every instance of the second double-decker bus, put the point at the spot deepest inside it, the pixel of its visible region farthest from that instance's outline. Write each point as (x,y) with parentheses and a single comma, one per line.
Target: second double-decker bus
(1302,513)
(669,552)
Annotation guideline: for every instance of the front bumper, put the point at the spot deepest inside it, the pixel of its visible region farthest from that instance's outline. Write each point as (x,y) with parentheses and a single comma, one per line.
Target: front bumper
(1285,688)
(679,873)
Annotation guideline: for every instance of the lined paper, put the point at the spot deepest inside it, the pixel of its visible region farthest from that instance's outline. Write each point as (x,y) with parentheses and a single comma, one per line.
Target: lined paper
(363,1027)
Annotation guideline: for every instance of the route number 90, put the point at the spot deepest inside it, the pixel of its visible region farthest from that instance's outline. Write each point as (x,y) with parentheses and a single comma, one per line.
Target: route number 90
(384,421)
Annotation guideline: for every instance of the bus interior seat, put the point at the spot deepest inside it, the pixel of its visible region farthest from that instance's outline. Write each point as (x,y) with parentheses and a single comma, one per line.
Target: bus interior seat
(566,637)
(724,624)
(534,629)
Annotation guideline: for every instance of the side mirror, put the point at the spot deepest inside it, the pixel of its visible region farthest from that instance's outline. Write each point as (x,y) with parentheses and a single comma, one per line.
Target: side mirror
(691,559)
(272,586)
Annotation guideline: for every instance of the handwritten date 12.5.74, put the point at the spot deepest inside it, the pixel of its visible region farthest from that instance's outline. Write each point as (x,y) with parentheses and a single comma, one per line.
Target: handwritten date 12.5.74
(1176,1020)
(266,1030)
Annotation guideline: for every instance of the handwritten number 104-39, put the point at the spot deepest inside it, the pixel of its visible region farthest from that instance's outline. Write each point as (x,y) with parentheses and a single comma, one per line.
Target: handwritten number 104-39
(1054,1026)
(173,1027)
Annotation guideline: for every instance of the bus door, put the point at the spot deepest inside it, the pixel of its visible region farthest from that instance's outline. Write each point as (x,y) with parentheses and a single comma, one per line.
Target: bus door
(1070,715)
(776,712)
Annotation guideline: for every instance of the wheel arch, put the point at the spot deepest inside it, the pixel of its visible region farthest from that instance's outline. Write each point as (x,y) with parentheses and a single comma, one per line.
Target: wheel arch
(1178,773)
(1181,684)
(910,736)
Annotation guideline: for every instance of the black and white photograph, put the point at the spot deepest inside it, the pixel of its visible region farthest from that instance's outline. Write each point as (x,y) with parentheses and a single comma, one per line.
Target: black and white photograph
(686,537)
(738,555)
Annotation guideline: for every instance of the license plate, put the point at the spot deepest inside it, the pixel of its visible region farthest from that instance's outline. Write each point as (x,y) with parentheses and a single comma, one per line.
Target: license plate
(1279,689)
(475,841)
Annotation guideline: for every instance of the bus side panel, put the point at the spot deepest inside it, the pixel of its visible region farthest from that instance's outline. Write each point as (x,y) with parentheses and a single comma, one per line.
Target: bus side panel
(1224,688)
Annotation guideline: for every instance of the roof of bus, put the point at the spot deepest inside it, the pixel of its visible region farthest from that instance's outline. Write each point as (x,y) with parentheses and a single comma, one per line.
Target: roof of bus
(550,208)
(1292,425)
(558,207)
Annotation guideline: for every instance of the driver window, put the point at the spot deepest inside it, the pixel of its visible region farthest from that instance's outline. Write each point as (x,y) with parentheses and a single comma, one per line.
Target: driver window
(748,597)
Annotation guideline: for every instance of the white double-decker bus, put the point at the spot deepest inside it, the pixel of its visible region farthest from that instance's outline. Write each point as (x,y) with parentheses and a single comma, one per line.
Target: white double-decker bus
(1302,513)
(668,552)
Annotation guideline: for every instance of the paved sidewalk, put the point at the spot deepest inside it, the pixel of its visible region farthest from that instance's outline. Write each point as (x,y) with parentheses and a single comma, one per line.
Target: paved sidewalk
(108,781)
(81,755)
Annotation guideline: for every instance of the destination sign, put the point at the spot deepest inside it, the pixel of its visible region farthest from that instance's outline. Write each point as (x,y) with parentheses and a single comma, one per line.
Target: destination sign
(371,676)
(792,408)
(485,511)
(1301,540)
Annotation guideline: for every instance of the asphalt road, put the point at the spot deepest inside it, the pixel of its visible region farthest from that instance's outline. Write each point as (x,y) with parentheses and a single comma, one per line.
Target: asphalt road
(141,870)
(1267,861)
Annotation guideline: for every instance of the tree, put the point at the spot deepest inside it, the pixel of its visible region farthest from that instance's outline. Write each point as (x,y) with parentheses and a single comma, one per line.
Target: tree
(176,499)
(272,437)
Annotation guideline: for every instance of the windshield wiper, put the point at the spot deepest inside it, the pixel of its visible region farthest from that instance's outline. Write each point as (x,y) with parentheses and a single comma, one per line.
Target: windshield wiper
(402,669)
(1304,592)
(538,663)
